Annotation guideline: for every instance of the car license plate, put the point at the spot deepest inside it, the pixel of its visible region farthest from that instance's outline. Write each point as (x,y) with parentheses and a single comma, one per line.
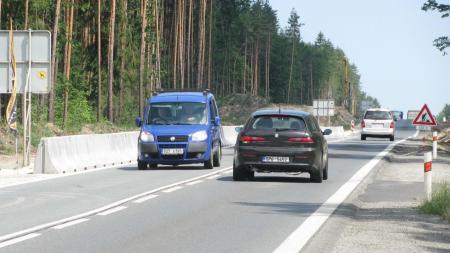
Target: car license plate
(275,159)
(377,125)
(172,151)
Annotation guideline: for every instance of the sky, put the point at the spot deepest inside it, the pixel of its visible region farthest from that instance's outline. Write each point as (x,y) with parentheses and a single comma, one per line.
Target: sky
(391,43)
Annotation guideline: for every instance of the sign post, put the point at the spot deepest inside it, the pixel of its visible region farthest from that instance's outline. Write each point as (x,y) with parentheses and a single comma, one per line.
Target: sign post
(32,63)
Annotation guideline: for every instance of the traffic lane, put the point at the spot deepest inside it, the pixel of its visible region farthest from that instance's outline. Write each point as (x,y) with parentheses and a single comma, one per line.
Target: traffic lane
(28,205)
(212,216)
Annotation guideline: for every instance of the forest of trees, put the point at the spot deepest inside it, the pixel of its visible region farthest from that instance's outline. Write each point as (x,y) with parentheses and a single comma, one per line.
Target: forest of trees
(110,55)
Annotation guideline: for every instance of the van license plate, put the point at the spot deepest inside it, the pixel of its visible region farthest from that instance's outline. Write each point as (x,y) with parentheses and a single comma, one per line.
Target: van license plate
(172,151)
(275,159)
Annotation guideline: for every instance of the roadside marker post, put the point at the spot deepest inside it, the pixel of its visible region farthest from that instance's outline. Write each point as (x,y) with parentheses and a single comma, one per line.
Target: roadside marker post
(434,145)
(427,164)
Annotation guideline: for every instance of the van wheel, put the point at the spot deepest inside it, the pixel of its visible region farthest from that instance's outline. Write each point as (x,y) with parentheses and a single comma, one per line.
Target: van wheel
(153,166)
(210,163)
(142,165)
(218,157)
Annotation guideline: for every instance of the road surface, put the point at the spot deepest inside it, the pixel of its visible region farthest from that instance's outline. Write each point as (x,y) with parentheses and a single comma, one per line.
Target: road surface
(179,209)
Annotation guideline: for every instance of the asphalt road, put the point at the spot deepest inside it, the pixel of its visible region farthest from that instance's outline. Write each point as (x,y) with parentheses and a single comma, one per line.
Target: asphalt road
(210,214)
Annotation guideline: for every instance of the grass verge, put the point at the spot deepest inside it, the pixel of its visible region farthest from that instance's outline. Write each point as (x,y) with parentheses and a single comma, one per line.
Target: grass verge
(440,202)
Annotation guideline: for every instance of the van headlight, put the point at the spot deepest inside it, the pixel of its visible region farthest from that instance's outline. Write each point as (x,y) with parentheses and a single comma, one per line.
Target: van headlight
(147,137)
(199,136)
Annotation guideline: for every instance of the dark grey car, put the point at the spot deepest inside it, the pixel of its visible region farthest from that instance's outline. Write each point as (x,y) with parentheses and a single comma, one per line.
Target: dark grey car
(277,140)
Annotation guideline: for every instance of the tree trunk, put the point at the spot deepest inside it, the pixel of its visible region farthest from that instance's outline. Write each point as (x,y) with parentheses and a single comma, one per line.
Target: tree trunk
(244,90)
(26,14)
(311,82)
(158,49)
(210,43)
(189,39)
(68,58)
(256,70)
(291,69)
(201,46)
(51,98)
(111,60)
(123,30)
(99,61)
(142,56)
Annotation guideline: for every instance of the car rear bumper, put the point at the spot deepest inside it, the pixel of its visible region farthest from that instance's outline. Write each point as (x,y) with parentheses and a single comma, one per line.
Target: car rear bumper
(193,152)
(300,159)
(377,131)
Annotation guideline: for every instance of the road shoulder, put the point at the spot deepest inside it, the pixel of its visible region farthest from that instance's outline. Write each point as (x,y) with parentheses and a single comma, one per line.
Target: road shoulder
(381,214)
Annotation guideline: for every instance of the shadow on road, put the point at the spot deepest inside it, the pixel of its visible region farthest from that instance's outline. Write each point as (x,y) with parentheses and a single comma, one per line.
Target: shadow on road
(274,179)
(162,167)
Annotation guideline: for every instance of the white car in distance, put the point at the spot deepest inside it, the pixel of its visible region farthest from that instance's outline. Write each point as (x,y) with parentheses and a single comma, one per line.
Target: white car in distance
(377,123)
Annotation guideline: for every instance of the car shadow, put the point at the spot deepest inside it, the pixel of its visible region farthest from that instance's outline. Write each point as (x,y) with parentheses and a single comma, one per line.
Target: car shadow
(273,179)
(163,167)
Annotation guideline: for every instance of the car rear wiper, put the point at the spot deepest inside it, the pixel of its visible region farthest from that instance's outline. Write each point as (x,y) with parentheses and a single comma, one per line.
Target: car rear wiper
(286,129)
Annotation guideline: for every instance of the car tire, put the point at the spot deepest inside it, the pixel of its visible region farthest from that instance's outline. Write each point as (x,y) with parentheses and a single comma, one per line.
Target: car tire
(210,163)
(241,174)
(316,176)
(392,138)
(218,156)
(153,166)
(325,171)
(142,165)
(363,137)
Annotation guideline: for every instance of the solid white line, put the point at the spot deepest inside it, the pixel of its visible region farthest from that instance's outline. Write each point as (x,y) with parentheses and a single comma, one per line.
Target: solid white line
(172,189)
(195,182)
(112,210)
(300,237)
(68,224)
(143,199)
(103,208)
(214,176)
(18,239)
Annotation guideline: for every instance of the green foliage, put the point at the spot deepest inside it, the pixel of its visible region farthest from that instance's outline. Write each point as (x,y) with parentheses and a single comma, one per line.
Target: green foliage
(445,113)
(442,42)
(440,202)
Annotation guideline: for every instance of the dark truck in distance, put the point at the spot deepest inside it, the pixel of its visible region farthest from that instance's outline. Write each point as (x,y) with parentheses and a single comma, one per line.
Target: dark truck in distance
(277,140)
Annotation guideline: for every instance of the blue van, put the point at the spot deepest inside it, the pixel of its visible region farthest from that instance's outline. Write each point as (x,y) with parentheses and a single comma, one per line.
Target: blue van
(180,128)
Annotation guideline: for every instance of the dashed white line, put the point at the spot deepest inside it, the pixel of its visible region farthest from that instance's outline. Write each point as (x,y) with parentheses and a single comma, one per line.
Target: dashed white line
(113,210)
(68,224)
(143,199)
(172,189)
(195,182)
(18,239)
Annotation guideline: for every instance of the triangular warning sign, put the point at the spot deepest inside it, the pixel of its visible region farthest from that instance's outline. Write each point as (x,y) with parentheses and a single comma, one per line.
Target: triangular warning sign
(425,117)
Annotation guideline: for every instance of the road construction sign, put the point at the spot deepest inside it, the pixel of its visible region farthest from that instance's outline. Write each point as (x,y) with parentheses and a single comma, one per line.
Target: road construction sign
(424,117)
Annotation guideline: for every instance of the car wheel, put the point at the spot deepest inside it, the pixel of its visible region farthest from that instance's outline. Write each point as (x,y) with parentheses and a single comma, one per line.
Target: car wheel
(153,166)
(316,176)
(363,137)
(210,163)
(241,173)
(392,138)
(325,171)
(218,156)
(142,165)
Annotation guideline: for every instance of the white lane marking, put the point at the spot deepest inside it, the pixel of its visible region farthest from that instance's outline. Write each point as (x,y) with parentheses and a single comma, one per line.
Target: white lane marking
(18,239)
(300,237)
(195,182)
(143,199)
(66,175)
(112,210)
(213,176)
(68,224)
(172,189)
(103,208)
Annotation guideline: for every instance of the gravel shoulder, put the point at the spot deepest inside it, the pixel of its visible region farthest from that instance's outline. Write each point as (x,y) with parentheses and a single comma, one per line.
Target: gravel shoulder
(382,216)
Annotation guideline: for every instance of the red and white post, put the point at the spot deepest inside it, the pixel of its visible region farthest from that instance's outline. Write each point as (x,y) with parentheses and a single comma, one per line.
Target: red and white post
(427,164)
(435,145)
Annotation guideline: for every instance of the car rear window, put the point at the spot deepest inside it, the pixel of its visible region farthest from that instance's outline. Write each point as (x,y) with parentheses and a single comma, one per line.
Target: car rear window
(377,115)
(278,122)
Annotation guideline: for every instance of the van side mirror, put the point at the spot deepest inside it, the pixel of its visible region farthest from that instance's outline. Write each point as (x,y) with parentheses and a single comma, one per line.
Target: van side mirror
(327,132)
(217,121)
(138,122)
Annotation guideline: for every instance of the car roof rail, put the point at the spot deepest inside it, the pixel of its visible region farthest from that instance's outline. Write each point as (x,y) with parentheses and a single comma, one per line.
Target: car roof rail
(159,91)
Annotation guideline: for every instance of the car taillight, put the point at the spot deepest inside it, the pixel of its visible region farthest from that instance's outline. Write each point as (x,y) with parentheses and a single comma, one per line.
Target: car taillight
(301,140)
(363,124)
(392,124)
(250,139)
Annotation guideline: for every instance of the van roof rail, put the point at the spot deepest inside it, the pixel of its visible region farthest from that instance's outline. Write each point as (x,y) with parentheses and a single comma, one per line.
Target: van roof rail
(159,91)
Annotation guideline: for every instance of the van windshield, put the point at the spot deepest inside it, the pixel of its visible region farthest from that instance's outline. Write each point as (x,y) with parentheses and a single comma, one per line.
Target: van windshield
(377,115)
(177,113)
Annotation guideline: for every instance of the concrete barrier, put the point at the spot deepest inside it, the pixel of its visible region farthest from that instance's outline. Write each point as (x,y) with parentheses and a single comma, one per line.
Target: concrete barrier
(68,154)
